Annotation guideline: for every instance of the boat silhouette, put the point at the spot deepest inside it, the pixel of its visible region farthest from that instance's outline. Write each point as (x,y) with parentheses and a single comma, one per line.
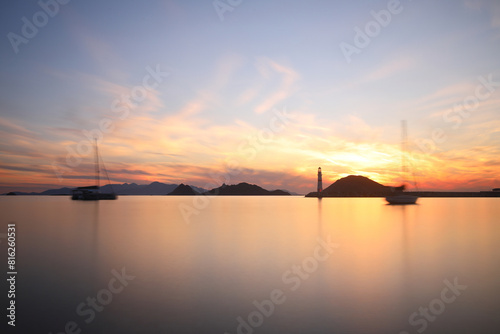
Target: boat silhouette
(93,193)
(400,197)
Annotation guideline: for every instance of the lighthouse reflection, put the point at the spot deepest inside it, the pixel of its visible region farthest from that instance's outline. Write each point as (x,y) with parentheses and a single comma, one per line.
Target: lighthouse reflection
(320,183)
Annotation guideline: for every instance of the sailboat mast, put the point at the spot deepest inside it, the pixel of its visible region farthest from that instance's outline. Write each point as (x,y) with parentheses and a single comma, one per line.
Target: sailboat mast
(404,144)
(96,163)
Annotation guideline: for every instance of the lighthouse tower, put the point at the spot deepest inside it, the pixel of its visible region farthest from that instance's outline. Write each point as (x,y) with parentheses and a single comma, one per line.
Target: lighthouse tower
(320,181)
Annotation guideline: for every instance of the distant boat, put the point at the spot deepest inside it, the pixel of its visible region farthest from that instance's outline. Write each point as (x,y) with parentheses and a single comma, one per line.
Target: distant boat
(400,197)
(93,193)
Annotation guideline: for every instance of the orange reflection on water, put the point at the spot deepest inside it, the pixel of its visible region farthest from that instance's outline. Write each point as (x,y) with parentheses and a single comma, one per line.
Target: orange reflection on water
(202,274)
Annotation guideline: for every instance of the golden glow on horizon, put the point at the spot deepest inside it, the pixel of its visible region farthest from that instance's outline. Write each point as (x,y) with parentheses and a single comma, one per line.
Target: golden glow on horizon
(164,155)
(155,143)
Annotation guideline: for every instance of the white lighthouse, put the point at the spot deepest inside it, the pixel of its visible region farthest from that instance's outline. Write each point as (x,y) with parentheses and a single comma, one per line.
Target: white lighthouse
(320,181)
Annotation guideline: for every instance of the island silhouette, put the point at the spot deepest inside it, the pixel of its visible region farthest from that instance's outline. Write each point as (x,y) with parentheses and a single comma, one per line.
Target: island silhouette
(245,189)
(361,186)
(159,188)
(354,186)
(183,190)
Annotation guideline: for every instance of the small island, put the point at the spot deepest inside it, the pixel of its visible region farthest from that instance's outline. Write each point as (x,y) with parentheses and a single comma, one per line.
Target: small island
(183,190)
(244,189)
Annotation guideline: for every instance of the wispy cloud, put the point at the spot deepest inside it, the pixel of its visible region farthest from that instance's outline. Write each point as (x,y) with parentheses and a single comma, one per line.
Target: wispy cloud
(269,69)
(390,68)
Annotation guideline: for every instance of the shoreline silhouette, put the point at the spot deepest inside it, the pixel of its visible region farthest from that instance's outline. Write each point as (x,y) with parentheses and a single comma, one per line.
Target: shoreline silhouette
(349,186)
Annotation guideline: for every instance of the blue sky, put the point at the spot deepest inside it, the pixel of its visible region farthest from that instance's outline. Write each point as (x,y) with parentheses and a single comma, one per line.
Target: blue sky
(225,78)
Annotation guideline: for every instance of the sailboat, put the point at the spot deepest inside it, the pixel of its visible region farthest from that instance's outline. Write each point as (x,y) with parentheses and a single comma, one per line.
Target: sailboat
(93,193)
(400,197)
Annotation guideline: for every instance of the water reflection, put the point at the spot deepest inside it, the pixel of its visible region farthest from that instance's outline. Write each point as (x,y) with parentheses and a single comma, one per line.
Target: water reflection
(320,217)
(94,242)
(201,277)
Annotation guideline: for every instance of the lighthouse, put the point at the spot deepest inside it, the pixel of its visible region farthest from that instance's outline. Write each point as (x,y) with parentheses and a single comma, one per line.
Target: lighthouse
(320,181)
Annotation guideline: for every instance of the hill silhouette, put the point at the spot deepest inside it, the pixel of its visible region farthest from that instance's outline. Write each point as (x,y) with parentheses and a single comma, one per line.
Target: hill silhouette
(183,190)
(354,186)
(158,188)
(242,189)
(154,188)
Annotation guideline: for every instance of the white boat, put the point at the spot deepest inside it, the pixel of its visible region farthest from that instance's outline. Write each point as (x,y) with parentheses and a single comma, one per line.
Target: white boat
(400,197)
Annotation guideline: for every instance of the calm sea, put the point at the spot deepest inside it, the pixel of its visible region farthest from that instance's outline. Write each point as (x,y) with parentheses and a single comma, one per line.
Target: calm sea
(147,264)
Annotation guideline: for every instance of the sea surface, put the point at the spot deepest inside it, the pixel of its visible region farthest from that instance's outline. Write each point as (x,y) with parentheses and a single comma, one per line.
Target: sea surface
(285,265)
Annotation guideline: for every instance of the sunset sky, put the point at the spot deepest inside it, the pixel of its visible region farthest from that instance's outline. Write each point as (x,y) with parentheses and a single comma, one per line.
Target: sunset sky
(257,91)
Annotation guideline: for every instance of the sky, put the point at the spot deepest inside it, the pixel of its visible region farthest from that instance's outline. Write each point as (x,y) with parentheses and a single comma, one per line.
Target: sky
(227,91)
